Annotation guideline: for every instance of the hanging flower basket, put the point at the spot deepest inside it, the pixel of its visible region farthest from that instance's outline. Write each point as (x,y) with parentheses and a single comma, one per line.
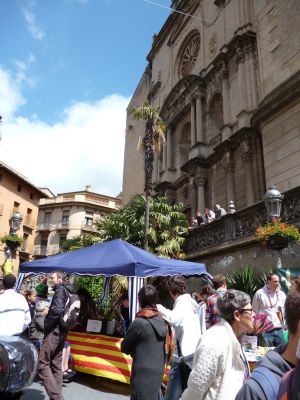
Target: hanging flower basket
(278,242)
(277,234)
(11,241)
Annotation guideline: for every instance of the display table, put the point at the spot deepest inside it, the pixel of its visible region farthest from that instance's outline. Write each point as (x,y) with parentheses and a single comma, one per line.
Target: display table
(100,355)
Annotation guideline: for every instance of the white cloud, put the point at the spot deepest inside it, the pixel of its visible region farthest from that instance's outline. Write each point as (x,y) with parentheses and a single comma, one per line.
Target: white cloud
(85,147)
(32,25)
(10,96)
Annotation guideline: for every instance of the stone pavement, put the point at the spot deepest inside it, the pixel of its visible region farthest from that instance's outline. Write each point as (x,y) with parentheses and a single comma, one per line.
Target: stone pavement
(82,387)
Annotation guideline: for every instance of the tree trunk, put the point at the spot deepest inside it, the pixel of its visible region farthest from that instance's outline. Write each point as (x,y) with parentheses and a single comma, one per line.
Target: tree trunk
(147,215)
(148,168)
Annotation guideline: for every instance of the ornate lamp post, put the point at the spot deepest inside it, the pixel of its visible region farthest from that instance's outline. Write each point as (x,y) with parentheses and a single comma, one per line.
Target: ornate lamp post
(273,199)
(15,222)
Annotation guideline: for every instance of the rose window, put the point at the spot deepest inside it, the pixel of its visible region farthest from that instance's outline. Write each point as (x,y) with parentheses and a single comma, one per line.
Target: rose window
(189,56)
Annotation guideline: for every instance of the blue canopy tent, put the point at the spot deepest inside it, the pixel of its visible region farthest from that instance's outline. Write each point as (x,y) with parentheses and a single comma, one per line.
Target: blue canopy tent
(116,257)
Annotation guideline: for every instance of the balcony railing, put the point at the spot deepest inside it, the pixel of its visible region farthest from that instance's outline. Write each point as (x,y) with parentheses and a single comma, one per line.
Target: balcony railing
(44,226)
(61,225)
(240,226)
(46,250)
(88,227)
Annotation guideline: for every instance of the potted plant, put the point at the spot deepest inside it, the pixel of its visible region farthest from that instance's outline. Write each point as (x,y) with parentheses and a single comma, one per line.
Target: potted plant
(11,241)
(277,234)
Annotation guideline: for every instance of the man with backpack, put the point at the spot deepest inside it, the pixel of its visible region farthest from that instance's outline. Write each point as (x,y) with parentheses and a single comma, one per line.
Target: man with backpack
(273,374)
(56,329)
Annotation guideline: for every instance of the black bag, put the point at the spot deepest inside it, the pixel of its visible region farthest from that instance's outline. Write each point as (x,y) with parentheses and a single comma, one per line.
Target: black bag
(185,367)
(70,316)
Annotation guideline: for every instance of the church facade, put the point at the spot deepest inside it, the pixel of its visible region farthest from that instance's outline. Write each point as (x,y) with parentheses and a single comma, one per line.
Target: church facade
(226,77)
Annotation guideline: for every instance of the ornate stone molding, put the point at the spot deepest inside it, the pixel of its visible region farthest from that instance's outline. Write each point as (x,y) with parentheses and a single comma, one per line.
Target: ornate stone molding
(180,97)
(239,55)
(246,147)
(153,92)
(200,180)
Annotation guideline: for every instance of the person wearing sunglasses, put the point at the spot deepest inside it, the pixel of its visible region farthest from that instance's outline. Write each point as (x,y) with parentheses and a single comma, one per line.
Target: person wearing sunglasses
(220,367)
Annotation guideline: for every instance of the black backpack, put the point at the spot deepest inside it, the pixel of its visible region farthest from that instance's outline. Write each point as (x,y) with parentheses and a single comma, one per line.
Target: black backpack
(70,316)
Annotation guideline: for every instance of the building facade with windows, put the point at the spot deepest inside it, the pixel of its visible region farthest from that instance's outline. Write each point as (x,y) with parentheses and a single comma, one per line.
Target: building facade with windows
(226,76)
(68,215)
(18,194)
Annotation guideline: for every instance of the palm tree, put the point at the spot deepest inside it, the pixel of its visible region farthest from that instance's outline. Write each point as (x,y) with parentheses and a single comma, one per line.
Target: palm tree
(166,233)
(154,135)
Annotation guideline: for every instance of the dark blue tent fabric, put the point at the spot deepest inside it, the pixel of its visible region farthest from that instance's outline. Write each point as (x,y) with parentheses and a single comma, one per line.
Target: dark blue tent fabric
(116,257)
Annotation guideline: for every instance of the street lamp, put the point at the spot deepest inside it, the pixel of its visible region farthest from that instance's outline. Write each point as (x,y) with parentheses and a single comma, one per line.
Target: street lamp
(273,199)
(15,222)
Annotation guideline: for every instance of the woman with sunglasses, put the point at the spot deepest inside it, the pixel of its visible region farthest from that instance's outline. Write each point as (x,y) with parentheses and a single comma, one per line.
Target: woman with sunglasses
(220,367)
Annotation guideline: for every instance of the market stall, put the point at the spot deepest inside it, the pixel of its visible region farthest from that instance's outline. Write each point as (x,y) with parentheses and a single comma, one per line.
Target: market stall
(99,354)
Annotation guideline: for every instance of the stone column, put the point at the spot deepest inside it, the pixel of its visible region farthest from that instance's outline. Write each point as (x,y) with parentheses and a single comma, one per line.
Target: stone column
(253,76)
(226,97)
(199,119)
(164,160)
(169,147)
(200,181)
(240,60)
(229,169)
(193,197)
(193,123)
(247,158)
(226,131)
(213,190)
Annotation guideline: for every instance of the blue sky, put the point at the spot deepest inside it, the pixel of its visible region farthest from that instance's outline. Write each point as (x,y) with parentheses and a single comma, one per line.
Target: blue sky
(67,71)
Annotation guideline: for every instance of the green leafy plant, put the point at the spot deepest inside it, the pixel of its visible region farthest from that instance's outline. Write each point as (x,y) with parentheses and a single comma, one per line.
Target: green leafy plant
(14,239)
(247,280)
(277,227)
(94,284)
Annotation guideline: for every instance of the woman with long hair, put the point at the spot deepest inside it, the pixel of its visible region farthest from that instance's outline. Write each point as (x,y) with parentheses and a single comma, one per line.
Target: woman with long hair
(147,340)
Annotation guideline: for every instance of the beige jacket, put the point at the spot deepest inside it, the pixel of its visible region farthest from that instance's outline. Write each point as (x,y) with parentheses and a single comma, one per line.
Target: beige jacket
(218,370)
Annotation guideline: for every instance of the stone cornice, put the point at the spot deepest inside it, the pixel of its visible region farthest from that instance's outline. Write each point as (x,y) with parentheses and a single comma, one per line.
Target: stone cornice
(286,93)
(176,20)
(180,97)
(191,165)
(237,45)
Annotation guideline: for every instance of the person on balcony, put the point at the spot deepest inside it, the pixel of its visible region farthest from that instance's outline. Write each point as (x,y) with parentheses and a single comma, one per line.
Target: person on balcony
(209,215)
(219,211)
(201,219)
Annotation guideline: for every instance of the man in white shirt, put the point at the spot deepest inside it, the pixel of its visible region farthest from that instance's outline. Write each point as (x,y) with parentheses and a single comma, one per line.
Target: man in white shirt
(185,321)
(14,310)
(270,301)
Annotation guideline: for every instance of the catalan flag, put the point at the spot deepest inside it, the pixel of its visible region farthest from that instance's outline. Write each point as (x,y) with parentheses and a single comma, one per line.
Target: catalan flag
(100,355)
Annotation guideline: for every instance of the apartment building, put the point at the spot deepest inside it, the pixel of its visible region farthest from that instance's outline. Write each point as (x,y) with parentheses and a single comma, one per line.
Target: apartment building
(68,215)
(18,194)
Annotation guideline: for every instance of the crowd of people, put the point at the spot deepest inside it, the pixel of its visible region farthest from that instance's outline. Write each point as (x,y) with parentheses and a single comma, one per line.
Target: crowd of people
(207,216)
(208,329)
(200,338)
